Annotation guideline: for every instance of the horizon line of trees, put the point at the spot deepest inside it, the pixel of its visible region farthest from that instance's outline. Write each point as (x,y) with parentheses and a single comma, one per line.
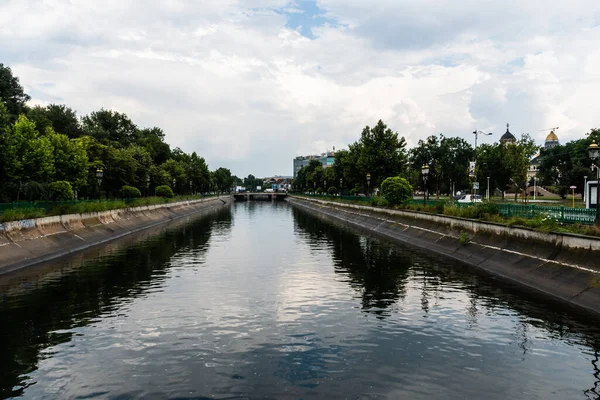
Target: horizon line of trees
(382,153)
(41,145)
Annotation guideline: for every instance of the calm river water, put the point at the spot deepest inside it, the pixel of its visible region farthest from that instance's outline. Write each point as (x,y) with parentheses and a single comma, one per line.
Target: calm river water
(265,301)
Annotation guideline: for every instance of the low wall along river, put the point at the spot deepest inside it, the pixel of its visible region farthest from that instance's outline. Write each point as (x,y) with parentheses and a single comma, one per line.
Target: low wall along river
(563,266)
(32,241)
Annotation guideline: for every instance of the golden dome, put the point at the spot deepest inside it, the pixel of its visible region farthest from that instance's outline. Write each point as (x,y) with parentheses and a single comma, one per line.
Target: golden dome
(551,137)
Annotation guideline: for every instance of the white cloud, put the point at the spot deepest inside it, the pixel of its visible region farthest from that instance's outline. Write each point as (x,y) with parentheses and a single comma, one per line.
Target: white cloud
(231,81)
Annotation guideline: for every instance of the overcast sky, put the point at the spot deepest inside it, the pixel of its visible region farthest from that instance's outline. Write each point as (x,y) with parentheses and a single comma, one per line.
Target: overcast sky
(250,84)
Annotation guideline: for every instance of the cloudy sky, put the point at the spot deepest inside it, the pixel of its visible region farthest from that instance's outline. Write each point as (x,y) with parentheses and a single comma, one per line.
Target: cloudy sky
(250,84)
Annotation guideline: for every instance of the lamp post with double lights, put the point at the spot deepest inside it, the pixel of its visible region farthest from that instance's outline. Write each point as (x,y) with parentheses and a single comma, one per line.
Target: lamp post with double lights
(368,184)
(594,153)
(477,133)
(425,172)
(99,176)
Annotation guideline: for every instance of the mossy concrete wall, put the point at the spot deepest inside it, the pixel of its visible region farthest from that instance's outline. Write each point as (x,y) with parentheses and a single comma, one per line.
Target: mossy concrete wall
(563,266)
(27,242)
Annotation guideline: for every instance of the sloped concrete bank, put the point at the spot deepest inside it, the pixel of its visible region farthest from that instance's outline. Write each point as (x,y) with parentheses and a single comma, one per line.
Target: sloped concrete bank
(566,266)
(33,241)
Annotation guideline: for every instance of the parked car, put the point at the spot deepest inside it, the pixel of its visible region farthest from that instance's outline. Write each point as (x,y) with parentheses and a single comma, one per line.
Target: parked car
(468,198)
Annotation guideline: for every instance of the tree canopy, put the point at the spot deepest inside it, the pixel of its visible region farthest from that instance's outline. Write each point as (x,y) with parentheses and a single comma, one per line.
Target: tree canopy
(44,144)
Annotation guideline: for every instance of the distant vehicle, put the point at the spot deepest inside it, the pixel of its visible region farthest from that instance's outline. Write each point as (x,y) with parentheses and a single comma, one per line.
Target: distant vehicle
(467,198)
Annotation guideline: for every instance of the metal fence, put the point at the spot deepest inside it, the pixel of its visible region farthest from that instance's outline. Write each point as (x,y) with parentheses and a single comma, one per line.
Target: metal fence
(559,213)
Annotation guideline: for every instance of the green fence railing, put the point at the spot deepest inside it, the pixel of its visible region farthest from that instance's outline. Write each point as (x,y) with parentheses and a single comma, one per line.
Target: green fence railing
(559,213)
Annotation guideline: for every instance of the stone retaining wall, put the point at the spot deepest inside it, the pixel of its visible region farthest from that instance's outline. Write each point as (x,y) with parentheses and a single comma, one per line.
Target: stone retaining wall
(31,241)
(563,266)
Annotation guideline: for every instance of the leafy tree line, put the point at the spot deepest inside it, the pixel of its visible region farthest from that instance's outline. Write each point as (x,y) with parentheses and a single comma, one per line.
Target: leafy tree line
(41,145)
(381,153)
(567,165)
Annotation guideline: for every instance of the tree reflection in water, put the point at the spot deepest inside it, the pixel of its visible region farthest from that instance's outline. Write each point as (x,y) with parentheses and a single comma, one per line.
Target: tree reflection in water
(380,270)
(42,314)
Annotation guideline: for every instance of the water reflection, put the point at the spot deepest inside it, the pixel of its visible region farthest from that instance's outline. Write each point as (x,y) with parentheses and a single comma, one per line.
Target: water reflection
(41,314)
(267,301)
(382,273)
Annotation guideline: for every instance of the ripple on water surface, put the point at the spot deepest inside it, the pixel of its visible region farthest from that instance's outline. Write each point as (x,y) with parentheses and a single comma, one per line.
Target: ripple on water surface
(266,301)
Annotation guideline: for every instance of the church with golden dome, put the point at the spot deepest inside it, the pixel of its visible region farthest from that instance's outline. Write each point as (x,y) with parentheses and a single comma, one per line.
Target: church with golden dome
(551,141)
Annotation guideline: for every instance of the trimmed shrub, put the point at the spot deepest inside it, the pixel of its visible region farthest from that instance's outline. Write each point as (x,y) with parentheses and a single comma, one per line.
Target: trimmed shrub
(130,192)
(396,190)
(164,191)
(60,191)
(332,190)
(379,202)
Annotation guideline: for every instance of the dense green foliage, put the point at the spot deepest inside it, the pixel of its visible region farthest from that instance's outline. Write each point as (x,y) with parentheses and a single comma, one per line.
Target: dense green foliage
(60,191)
(396,190)
(40,145)
(566,165)
(164,191)
(379,152)
(130,192)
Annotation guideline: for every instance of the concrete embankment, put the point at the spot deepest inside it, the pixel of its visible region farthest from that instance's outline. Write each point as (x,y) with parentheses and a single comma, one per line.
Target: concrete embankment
(32,241)
(564,266)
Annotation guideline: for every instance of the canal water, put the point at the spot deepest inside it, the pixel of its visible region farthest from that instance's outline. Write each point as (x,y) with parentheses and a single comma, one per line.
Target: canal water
(265,301)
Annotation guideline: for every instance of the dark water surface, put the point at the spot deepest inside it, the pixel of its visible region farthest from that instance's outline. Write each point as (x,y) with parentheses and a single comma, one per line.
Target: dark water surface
(265,301)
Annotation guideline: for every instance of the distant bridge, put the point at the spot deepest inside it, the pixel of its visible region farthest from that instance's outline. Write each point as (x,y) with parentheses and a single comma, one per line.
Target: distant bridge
(259,196)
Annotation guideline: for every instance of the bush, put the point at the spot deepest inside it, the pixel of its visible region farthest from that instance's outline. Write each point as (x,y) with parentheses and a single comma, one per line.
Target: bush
(319,190)
(129,192)
(332,190)
(60,191)
(396,190)
(379,202)
(164,191)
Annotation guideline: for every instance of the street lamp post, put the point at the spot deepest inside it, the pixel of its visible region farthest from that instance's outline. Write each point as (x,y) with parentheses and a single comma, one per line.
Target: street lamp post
(368,184)
(585,189)
(425,171)
(99,176)
(325,188)
(341,184)
(594,153)
(147,185)
(534,187)
(191,187)
(488,188)
(477,133)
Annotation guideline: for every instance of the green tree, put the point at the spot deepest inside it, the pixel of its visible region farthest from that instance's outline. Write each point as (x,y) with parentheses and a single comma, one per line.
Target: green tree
(110,128)
(153,140)
(70,159)
(129,192)
(223,180)
(382,153)
(60,191)
(34,154)
(12,93)
(164,191)
(396,190)
(63,120)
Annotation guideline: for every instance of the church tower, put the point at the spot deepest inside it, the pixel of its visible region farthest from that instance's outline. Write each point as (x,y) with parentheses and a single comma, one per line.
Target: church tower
(551,140)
